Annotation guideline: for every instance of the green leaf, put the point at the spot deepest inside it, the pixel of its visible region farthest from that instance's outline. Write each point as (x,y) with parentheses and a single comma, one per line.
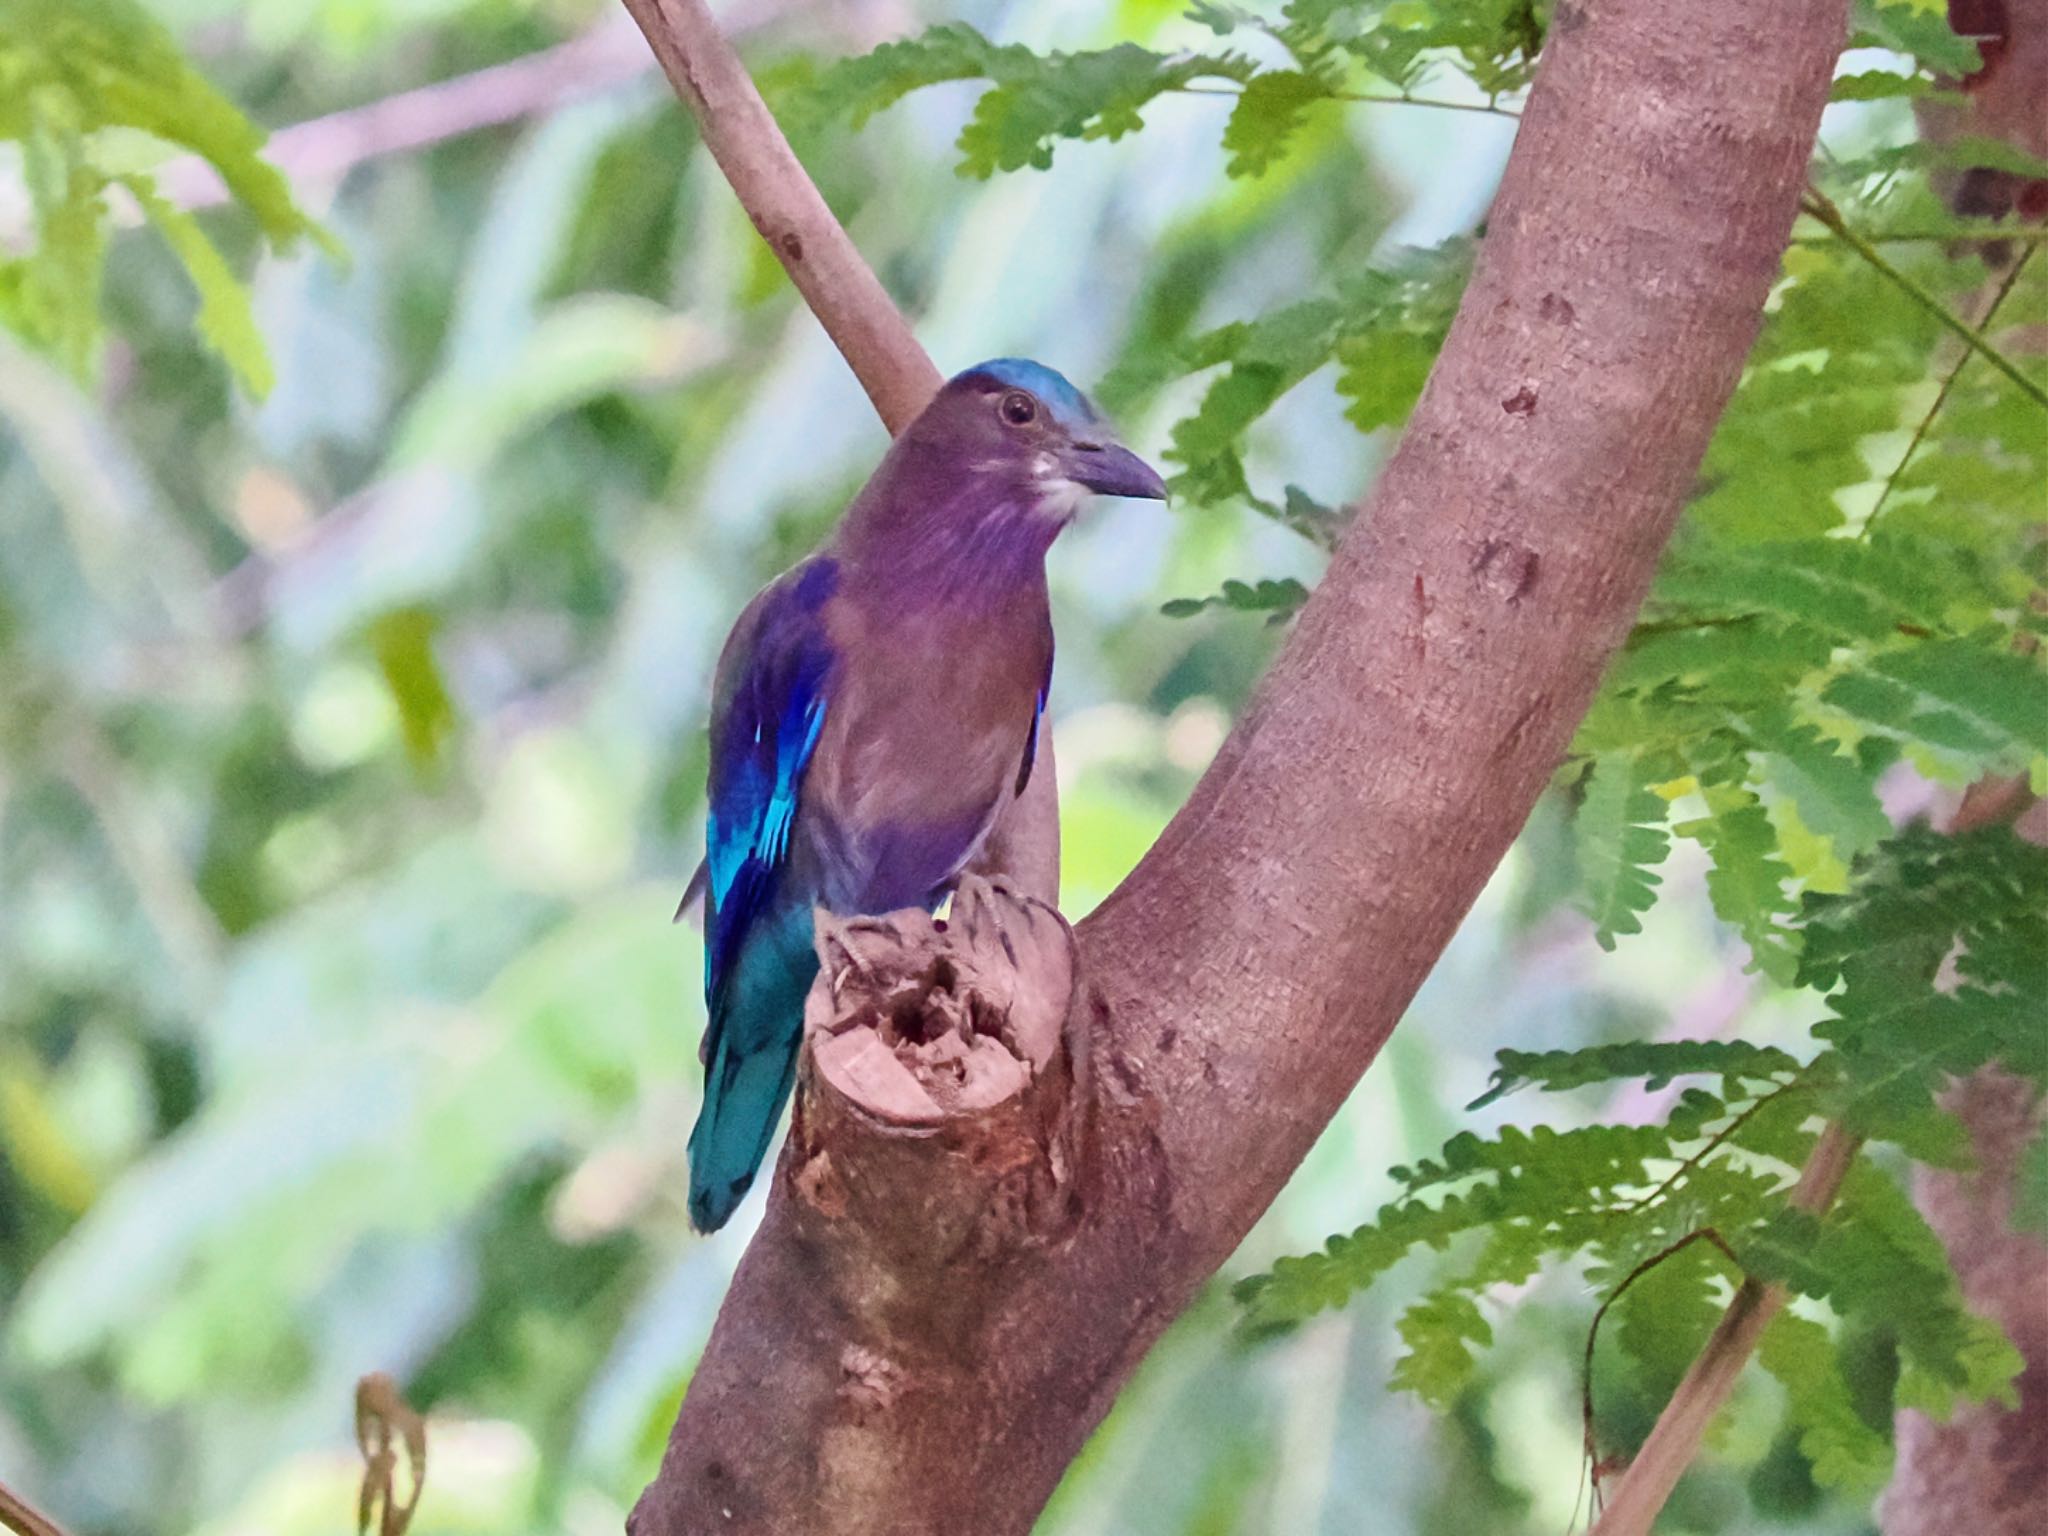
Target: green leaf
(1878,85)
(1279,600)
(1974,699)
(1382,375)
(1522,1185)
(858,88)
(404,643)
(1919,31)
(1667,1313)
(1980,897)
(1988,1369)
(73,72)
(1748,881)
(1268,111)
(1656,1062)
(1033,100)
(1385,327)
(1835,791)
(1844,1451)
(1440,1332)
(227,320)
(1849,591)
(1619,834)
(1872,1257)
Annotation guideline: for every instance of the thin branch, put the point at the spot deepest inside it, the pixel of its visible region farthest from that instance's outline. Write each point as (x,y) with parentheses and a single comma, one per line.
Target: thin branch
(1670,1251)
(1818,205)
(1948,384)
(23,1518)
(742,135)
(1683,1424)
(2016,236)
(1715,1143)
(1434,103)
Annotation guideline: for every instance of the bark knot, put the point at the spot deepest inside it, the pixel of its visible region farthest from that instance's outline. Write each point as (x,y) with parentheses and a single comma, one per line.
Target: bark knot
(873,1381)
(1506,569)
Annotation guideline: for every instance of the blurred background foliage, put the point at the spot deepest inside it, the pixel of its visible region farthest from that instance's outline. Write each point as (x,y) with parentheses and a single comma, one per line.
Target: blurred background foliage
(355,624)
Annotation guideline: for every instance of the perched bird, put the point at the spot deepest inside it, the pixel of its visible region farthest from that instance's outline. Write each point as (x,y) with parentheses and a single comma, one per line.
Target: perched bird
(874,708)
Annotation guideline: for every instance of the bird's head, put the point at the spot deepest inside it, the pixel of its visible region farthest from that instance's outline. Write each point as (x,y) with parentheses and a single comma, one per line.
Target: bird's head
(1022,423)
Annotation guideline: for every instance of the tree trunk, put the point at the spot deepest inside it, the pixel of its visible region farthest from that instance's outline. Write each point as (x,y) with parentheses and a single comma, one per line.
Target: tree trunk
(1985,1471)
(981,1222)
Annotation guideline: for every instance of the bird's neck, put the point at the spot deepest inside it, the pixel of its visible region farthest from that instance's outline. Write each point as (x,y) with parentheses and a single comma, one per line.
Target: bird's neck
(930,531)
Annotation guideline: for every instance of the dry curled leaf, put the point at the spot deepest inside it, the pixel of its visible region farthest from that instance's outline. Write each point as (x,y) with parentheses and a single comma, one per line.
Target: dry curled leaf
(384,1421)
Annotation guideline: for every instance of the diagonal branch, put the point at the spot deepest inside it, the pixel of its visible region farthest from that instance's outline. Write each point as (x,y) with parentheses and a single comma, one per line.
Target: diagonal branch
(1675,1439)
(786,208)
(1819,206)
(23,1518)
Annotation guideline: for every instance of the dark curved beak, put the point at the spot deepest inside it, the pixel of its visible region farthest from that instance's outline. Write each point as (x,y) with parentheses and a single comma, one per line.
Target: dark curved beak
(1111,469)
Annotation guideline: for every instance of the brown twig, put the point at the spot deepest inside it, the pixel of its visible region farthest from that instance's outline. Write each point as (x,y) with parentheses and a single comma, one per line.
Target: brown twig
(1669,1251)
(23,1518)
(1675,1440)
(385,1422)
(786,207)
(1819,206)
(1714,1144)
(1948,384)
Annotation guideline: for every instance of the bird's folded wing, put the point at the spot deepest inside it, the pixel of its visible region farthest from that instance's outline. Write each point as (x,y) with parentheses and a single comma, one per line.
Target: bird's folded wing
(769,709)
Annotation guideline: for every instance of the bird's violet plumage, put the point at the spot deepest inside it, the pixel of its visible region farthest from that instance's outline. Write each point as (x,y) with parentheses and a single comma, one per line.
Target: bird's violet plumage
(874,708)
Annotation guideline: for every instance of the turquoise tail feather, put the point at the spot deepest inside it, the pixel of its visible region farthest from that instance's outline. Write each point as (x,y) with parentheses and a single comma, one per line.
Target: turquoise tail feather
(756,1029)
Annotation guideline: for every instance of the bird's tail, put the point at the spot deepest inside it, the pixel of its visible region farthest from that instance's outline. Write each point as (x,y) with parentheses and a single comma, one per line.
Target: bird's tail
(744,1091)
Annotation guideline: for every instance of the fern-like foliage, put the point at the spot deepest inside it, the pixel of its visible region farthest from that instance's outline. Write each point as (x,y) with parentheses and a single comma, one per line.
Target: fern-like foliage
(1621,835)
(1381,330)
(82,82)
(1935,963)
(1032,101)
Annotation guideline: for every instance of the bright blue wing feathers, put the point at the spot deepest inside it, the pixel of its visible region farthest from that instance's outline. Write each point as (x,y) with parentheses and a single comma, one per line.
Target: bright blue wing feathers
(770,711)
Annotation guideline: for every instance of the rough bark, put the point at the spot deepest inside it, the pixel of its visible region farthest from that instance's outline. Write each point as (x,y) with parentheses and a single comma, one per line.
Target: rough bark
(1985,1471)
(1227,997)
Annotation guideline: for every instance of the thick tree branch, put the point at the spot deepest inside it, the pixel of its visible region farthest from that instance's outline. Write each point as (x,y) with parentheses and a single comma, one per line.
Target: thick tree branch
(1984,1471)
(1228,996)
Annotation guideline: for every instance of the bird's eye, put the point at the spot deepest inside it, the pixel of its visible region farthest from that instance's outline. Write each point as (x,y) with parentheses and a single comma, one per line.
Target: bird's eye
(1018,408)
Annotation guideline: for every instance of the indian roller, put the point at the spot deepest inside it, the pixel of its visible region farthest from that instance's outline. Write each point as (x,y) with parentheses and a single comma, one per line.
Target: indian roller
(873,709)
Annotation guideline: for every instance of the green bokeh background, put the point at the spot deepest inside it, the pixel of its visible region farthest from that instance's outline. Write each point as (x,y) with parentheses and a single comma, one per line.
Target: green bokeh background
(351,762)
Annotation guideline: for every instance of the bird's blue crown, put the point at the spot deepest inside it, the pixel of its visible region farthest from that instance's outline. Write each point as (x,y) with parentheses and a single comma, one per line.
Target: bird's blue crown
(1069,407)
